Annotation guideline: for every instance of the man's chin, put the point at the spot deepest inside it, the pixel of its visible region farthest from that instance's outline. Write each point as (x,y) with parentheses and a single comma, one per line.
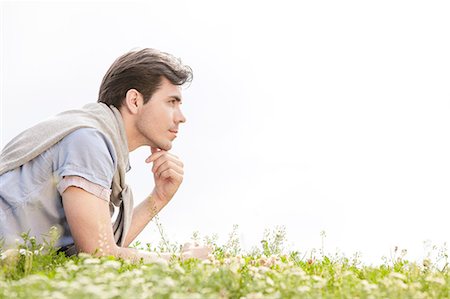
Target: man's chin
(165,147)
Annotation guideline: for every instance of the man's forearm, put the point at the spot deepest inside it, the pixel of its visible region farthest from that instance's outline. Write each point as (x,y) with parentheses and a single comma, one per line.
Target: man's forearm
(200,252)
(142,215)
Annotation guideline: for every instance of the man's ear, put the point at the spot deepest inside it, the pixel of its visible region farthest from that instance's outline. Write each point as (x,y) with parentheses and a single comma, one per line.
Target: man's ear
(133,101)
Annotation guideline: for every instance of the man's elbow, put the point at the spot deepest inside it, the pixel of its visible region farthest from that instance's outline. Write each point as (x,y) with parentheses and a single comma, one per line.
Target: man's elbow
(113,250)
(99,249)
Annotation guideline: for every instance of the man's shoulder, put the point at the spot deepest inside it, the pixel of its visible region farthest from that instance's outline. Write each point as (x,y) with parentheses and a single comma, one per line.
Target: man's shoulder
(88,153)
(86,135)
(88,139)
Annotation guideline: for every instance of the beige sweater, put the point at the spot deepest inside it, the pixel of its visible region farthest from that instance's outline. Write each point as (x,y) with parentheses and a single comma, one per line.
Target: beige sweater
(37,139)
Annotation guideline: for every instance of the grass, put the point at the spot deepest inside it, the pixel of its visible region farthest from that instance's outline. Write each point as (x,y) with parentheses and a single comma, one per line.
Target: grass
(267,272)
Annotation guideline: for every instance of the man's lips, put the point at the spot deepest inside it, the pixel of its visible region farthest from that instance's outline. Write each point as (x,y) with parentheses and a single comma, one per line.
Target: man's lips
(173,132)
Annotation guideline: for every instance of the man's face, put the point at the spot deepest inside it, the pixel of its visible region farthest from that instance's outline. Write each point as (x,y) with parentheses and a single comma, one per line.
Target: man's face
(158,120)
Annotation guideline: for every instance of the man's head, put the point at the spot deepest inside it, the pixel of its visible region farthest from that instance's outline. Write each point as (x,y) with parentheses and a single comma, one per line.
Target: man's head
(142,70)
(145,86)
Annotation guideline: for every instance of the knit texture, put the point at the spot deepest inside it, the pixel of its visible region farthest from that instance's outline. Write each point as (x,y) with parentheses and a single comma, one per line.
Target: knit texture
(108,120)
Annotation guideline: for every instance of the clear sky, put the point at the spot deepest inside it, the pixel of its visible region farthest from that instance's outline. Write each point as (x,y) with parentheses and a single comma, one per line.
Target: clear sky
(317,115)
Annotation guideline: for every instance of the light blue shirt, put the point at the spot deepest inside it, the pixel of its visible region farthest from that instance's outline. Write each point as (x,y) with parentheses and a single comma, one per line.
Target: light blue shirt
(30,196)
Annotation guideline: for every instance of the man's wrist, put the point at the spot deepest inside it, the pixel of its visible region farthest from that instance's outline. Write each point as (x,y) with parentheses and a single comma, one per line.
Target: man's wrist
(152,206)
(158,201)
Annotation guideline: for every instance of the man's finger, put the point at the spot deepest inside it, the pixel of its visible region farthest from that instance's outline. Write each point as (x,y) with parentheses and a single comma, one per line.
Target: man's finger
(166,159)
(172,174)
(155,155)
(167,165)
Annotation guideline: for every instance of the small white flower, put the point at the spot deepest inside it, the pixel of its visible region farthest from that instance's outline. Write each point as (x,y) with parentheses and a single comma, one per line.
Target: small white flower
(91,261)
(438,280)
(397,275)
(58,295)
(10,253)
(169,282)
(368,286)
(319,281)
(137,272)
(84,255)
(401,285)
(254,296)
(72,267)
(138,281)
(270,281)
(206,262)
(180,269)
(112,264)
(97,290)
(348,273)
(298,272)
(317,278)
(303,289)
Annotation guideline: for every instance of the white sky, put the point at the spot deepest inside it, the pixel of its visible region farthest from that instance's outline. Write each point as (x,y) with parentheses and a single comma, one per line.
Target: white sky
(318,115)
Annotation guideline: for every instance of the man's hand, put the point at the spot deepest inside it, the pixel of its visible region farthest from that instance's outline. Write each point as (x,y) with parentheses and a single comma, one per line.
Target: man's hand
(195,251)
(168,174)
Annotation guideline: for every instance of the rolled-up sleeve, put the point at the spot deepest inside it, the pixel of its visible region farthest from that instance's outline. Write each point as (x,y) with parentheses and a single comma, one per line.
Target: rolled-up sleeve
(86,159)
(84,184)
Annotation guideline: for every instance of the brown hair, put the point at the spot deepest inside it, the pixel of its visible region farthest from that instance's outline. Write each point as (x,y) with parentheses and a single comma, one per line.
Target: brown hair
(142,70)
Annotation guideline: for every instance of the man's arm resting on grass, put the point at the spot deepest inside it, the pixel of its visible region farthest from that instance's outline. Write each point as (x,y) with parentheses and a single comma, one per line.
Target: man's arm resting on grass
(90,225)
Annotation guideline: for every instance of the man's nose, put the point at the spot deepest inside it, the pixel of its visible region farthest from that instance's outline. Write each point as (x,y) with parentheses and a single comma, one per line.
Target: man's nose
(180,118)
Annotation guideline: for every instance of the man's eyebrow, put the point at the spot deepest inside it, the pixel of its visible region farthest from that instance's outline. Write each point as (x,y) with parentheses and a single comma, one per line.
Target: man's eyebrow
(176,98)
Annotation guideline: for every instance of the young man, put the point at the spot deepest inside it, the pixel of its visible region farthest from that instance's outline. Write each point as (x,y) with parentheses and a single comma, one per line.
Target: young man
(69,171)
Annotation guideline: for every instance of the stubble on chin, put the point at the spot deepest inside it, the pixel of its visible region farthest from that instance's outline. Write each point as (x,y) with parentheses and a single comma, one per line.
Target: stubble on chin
(164,147)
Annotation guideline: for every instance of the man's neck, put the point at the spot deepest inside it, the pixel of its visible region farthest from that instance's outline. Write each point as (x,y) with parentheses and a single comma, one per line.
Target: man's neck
(130,131)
